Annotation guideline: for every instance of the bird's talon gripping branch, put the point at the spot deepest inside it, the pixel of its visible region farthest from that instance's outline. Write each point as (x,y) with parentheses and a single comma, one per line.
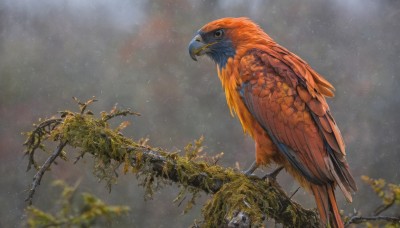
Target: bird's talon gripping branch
(273,174)
(251,169)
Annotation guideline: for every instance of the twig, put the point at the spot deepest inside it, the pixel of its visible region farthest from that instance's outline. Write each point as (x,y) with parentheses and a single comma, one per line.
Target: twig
(38,176)
(361,219)
(83,106)
(35,139)
(294,193)
(384,207)
(120,113)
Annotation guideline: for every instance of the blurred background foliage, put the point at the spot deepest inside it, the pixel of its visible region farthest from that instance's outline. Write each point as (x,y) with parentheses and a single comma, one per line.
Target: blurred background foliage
(134,53)
(70,210)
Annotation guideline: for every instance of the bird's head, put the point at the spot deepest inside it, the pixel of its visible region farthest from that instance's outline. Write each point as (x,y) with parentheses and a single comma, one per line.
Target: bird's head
(223,38)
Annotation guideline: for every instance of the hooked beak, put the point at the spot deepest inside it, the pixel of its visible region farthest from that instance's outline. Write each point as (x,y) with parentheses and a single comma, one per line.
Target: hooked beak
(197,47)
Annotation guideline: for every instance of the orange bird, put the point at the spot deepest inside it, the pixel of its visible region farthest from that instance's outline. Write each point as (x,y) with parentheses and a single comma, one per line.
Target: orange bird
(280,101)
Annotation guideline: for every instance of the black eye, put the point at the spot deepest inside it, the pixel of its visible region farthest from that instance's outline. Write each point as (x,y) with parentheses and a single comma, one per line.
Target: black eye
(219,33)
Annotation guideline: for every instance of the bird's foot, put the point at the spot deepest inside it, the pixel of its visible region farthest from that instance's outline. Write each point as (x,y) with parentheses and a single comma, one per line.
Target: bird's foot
(251,169)
(273,174)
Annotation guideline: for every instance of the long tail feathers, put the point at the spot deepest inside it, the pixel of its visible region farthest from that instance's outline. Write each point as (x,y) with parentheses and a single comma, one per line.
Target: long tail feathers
(327,207)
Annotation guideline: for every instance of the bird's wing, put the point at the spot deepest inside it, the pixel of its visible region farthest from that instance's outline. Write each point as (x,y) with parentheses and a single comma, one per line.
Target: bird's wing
(286,98)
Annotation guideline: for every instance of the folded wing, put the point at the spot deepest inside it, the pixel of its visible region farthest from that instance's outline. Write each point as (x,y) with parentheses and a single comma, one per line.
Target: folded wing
(287,99)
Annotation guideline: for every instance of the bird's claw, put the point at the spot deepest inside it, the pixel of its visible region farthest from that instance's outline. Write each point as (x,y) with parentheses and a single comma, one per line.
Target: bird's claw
(249,172)
(273,174)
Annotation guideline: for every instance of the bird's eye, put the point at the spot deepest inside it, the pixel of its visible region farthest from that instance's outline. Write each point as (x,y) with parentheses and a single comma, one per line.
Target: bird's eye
(219,33)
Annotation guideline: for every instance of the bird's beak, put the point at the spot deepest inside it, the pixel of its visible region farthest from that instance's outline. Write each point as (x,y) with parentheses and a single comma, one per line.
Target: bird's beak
(197,47)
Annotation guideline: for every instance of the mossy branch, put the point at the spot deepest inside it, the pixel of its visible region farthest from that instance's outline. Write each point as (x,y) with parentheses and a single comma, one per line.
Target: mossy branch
(236,199)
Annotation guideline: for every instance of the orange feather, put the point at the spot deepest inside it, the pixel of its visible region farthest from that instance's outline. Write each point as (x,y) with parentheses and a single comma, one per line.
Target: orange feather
(279,100)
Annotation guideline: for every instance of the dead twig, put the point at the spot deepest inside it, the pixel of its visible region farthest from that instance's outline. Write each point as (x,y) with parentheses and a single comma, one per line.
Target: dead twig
(46,165)
(384,207)
(361,219)
(34,140)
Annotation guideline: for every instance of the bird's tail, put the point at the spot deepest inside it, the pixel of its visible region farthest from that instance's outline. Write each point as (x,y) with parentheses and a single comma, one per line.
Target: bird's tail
(327,206)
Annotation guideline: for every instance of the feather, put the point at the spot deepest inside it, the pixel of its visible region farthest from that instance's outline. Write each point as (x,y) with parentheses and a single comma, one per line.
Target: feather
(303,93)
(325,124)
(316,107)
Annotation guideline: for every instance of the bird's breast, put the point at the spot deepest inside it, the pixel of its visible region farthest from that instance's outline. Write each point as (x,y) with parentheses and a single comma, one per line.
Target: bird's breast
(231,81)
(265,149)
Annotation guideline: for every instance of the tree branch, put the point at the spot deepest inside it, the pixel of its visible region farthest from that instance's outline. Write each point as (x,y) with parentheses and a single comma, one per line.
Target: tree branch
(237,199)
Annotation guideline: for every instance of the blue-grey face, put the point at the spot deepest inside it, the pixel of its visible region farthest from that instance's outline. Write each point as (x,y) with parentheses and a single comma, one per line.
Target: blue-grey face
(215,44)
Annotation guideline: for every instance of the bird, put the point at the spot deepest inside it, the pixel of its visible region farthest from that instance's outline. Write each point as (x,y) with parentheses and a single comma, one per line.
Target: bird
(280,102)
